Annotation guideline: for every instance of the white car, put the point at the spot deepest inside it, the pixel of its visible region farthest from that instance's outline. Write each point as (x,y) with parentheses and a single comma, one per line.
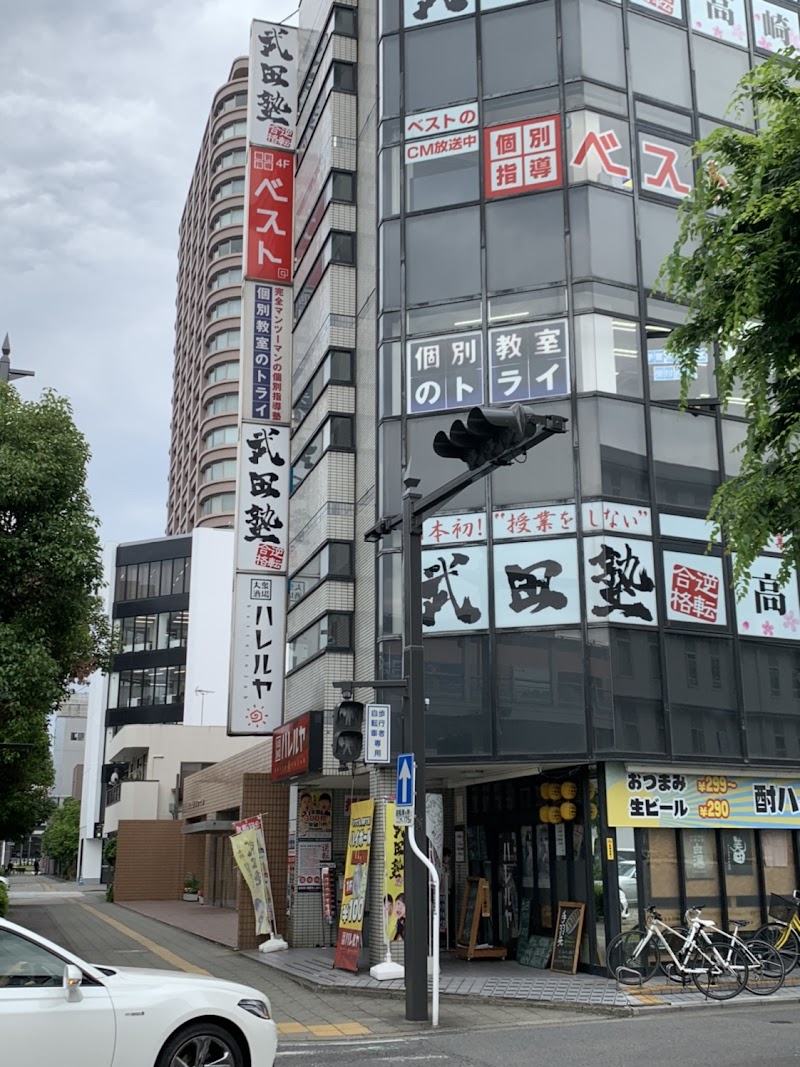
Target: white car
(57,1009)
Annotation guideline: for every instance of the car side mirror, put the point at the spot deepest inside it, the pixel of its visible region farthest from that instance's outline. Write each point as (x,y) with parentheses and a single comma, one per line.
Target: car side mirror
(73,977)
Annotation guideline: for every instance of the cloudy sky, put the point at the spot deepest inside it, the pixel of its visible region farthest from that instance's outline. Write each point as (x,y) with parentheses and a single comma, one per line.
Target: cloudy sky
(102,107)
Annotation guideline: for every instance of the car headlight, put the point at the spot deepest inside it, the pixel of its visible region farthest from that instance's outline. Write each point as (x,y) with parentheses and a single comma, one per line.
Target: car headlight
(255,1007)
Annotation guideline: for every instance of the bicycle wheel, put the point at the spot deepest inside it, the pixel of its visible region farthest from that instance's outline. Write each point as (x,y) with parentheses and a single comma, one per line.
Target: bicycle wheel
(722,982)
(671,972)
(784,939)
(631,962)
(768,973)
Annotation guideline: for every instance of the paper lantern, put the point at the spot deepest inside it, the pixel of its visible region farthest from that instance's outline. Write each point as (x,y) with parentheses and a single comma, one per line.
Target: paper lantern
(544,790)
(568,811)
(569,790)
(554,815)
(553,791)
(544,814)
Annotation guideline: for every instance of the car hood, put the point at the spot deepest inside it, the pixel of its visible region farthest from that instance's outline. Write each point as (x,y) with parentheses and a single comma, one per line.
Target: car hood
(143,976)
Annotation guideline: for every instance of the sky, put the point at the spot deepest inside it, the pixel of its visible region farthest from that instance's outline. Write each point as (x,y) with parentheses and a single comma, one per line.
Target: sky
(102,107)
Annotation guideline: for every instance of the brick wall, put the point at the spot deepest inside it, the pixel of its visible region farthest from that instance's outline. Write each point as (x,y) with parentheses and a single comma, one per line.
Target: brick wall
(149,860)
(219,787)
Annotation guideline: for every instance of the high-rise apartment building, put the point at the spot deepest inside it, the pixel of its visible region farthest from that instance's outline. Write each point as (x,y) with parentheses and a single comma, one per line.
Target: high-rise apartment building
(488,228)
(205,398)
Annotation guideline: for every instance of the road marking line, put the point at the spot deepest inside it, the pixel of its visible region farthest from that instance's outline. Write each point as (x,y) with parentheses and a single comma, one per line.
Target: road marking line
(292,1028)
(151,946)
(325,1030)
(353,1029)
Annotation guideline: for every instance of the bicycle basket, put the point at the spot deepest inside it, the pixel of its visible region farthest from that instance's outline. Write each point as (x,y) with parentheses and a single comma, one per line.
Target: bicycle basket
(781,908)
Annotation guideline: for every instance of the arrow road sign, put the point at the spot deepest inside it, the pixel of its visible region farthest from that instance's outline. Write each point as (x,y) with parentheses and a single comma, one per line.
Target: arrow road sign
(405,780)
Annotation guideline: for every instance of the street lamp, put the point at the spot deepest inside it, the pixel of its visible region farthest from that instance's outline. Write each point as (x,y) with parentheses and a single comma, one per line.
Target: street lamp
(6,372)
(490,438)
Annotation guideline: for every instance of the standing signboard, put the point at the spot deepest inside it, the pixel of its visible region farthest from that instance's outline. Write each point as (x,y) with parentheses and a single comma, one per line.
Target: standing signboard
(354,895)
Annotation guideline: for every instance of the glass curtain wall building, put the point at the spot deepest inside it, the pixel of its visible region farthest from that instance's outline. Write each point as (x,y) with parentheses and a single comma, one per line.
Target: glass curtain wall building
(484,193)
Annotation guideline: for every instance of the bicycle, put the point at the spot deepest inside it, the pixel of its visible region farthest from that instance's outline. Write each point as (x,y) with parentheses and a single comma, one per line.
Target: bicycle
(634,957)
(765,966)
(784,933)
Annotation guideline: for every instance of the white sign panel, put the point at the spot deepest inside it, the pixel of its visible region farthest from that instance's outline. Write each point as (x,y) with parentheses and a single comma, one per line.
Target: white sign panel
(536,583)
(454,529)
(618,577)
(723,19)
(769,610)
(378,733)
(444,120)
(685,528)
(672,8)
(423,12)
(694,589)
(541,520)
(262,498)
(774,27)
(618,518)
(455,593)
(455,144)
(266,364)
(272,85)
(259,650)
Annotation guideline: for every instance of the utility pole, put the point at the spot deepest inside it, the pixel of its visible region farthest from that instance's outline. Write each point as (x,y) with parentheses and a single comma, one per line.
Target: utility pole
(490,438)
(7,374)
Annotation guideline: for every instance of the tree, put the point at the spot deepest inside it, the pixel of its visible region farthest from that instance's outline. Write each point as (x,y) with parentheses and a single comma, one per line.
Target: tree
(53,628)
(62,835)
(737,265)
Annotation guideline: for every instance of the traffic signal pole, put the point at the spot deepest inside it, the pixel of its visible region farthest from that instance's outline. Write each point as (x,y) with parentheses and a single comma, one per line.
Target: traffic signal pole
(416,508)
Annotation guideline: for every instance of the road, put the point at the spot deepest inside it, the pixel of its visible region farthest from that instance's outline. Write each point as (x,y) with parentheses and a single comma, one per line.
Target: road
(330,1029)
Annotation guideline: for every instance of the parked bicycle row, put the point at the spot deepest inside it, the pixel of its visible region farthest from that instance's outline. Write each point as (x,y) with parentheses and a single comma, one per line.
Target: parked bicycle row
(720,963)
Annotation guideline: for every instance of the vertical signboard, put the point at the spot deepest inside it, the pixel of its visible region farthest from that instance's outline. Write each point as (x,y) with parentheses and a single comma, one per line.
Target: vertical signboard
(255,704)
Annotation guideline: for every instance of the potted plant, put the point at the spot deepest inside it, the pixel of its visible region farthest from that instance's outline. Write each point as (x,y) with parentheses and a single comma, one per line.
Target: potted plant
(191,887)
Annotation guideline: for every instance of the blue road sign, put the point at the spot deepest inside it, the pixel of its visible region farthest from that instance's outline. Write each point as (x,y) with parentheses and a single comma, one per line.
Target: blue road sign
(405,780)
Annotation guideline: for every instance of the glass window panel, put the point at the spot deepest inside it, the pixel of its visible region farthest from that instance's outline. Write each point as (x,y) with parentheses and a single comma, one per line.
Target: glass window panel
(143,581)
(178,568)
(390,591)
(540,700)
(659,61)
(659,226)
(521,106)
(390,264)
(516,307)
(340,559)
(390,181)
(443,255)
(771,679)
(701,871)
(608,355)
(664,377)
(458,718)
(390,470)
(124,691)
(512,263)
(390,76)
(389,11)
(684,458)
(733,434)
(148,679)
(128,631)
(131,581)
(162,640)
(166,577)
(602,235)
(702,696)
(547,474)
(627,699)
(519,48)
(587,94)
(119,585)
(613,451)
(429,81)
(594,295)
(154,579)
(661,116)
(160,686)
(717,70)
(593,46)
(661,870)
(778,863)
(462,315)
(441,181)
(390,374)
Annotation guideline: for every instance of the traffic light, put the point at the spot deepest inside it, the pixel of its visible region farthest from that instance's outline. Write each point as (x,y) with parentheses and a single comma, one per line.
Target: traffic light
(490,432)
(348,737)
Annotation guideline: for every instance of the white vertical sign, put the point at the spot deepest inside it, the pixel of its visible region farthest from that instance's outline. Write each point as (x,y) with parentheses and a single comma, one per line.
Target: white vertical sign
(272,86)
(259,649)
(378,733)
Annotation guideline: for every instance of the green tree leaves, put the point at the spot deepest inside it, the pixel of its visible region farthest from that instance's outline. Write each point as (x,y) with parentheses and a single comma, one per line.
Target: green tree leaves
(737,265)
(62,835)
(53,629)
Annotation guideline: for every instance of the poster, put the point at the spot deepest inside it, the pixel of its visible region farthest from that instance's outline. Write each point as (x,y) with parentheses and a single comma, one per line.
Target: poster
(618,575)
(543,856)
(394,899)
(527,859)
(250,854)
(694,588)
(310,857)
(455,589)
(652,797)
(768,609)
(354,894)
(314,817)
(737,848)
(536,583)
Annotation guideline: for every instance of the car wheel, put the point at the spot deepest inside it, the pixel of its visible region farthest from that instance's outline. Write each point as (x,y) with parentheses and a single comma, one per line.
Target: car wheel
(203,1044)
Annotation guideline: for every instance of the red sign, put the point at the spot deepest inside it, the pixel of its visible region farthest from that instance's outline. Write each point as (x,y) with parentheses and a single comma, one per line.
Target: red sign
(694,593)
(666,177)
(523,157)
(291,747)
(270,215)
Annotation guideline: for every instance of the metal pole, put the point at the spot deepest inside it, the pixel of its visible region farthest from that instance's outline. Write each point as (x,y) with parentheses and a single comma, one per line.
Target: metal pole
(435,922)
(416,875)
